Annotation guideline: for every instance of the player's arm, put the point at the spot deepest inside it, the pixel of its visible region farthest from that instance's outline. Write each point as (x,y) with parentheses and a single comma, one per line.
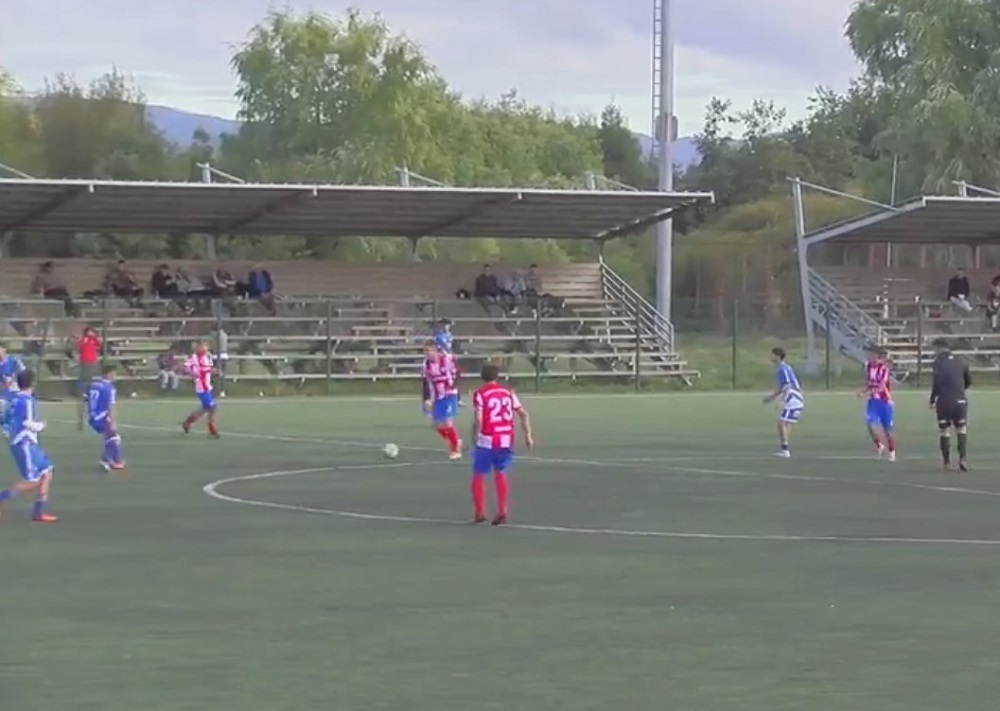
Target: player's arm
(525,419)
(935,387)
(774,395)
(966,376)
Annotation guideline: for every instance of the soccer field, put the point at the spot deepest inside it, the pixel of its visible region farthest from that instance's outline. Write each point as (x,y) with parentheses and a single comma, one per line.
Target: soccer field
(661,559)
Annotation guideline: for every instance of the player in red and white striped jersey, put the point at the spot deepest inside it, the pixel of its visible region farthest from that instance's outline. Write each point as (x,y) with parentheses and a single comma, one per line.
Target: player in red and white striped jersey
(201,367)
(879,413)
(495,408)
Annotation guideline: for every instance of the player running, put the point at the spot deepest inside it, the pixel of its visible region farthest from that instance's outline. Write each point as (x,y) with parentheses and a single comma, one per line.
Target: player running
(101,399)
(201,366)
(949,401)
(879,411)
(789,393)
(31,460)
(440,375)
(493,432)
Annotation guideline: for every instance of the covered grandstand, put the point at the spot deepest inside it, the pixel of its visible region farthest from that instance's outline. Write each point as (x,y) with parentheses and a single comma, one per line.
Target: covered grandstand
(903,307)
(341,321)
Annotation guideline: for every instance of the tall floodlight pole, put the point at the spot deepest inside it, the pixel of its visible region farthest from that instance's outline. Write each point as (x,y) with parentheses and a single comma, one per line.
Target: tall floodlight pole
(663,127)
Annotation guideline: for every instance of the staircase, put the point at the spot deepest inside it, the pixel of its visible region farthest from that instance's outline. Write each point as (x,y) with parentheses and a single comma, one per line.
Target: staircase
(851,329)
(626,308)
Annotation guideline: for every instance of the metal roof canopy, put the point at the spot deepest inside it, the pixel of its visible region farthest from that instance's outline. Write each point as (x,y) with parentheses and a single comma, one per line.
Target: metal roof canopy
(928,220)
(330,210)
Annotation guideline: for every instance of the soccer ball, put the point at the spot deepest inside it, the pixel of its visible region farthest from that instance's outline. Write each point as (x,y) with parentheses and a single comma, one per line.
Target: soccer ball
(390,451)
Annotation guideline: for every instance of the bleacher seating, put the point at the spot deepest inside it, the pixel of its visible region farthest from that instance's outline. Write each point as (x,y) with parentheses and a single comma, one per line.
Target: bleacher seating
(909,303)
(341,321)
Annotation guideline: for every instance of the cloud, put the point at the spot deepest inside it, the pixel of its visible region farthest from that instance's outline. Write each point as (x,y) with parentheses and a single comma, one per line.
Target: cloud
(572,55)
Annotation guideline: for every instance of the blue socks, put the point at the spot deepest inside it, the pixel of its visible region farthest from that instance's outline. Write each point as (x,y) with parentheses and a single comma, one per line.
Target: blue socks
(38,509)
(6,495)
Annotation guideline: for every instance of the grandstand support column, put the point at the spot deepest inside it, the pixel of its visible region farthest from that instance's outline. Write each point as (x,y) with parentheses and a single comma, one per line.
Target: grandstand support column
(414,242)
(801,250)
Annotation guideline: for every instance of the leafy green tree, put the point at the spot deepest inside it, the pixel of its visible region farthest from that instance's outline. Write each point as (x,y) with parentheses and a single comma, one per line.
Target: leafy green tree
(348,90)
(623,160)
(938,60)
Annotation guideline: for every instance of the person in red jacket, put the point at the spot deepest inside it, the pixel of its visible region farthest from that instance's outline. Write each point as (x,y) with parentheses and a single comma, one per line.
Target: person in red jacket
(88,349)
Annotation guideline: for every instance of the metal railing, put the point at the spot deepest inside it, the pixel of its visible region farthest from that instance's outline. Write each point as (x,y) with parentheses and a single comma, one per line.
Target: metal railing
(832,308)
(636,309)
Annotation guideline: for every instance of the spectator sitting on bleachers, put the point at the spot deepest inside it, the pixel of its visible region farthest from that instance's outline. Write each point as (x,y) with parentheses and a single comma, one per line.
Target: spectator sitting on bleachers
(535,293)
(168,366)
(121,282)
(223,283)
(993,305)
(260,286)
(487,288)
(188,285)
(514,290)
(49,285)
(163,284)
(959,290)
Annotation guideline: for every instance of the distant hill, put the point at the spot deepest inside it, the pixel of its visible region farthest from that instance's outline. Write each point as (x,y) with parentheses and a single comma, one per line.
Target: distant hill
(685,151)
(178,127)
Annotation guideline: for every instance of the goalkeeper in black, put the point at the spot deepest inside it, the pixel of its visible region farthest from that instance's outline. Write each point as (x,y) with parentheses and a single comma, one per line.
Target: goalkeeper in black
(949,402)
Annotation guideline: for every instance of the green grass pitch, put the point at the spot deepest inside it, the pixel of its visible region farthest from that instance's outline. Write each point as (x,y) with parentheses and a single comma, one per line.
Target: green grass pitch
(708,576)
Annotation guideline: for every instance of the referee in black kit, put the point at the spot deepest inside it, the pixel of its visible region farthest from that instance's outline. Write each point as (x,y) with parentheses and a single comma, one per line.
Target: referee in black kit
(949,402)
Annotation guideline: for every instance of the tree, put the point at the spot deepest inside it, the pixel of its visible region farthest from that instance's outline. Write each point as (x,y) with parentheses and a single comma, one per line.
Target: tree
(623,159)
(100,132)
(348,90)
(939,60)
(749,167)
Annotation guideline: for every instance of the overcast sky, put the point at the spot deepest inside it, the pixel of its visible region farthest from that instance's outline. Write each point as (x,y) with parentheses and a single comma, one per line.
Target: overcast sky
(575,55)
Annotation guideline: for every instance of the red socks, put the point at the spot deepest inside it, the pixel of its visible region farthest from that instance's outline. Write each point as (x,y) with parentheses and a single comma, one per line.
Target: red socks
(890,443)
(500,480)
(212,429)
(479,495)
(450,435)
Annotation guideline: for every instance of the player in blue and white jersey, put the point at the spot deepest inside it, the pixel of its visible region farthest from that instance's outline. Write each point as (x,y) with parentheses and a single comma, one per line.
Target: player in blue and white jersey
(443,338)
(788,394)
(101,398)
(31,460)
(10,368)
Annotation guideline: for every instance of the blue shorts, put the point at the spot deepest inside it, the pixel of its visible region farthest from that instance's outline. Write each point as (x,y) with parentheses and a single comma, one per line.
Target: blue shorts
(489,461)
(102,426)
(31,460)
(207,401)
(790,415)
(880,412)
(445,408)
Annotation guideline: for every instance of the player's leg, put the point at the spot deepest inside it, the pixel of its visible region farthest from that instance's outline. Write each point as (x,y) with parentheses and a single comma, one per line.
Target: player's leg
(888,425)
(39,512)
(502,459)
(191,419)
(481,466)
(962,436)
(944,436)
(112,458)
(213,430)
(872,420)
(786,419)
(444,422)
